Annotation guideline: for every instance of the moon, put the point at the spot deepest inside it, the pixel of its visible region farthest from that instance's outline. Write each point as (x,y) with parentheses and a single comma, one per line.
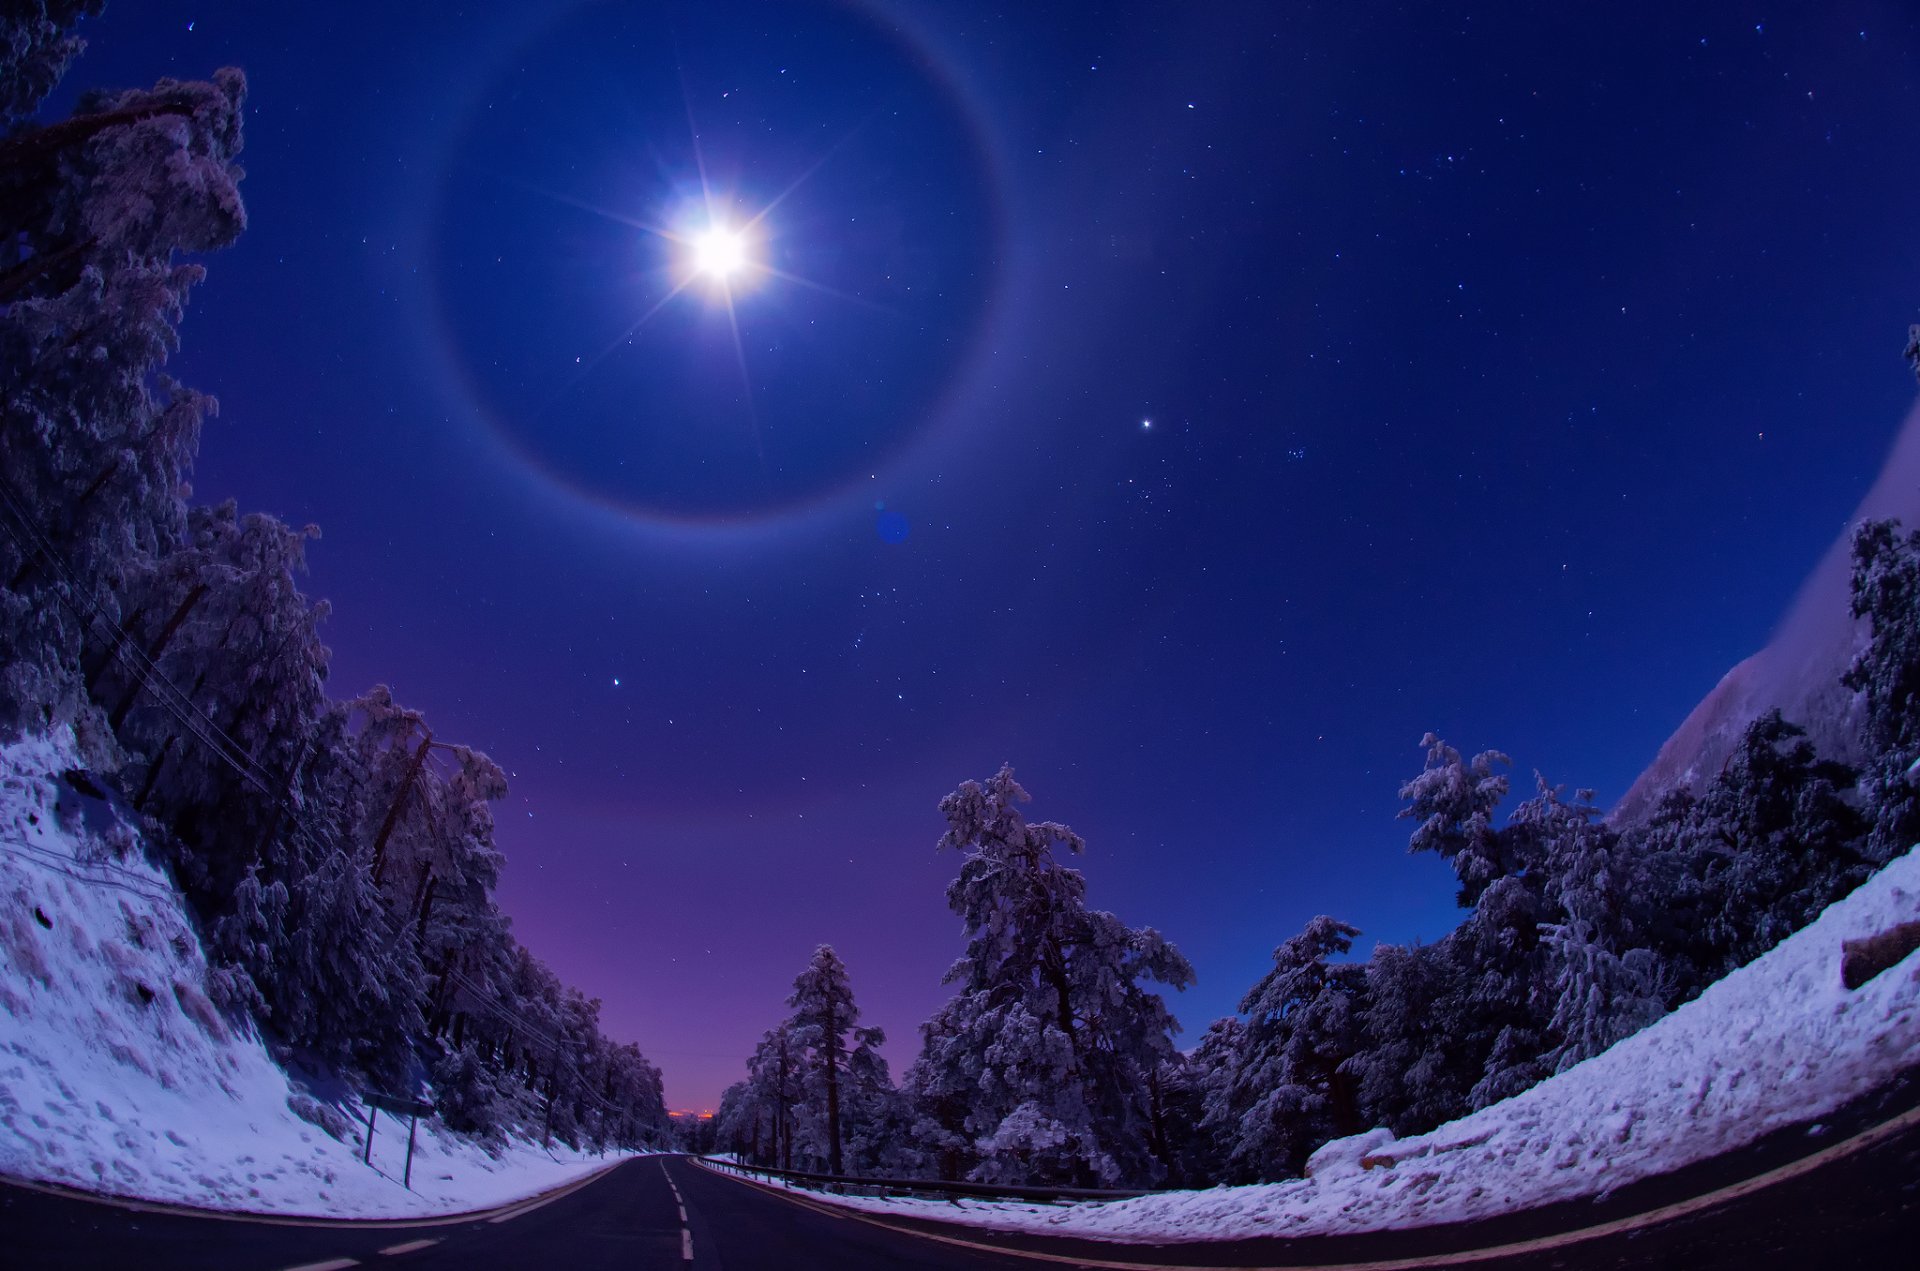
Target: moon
(719,253)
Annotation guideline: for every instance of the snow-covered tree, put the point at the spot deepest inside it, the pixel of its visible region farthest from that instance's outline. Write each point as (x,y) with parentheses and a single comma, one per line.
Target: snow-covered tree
(1204,1087)
(823,1014)
(37,41)
(1291,1088)
(1454,801)
(1041,1064)
(1606,982)
(875,1114)
(1886,673)
(95,443)
(1415,1068)
(1767,845)
(777,1080)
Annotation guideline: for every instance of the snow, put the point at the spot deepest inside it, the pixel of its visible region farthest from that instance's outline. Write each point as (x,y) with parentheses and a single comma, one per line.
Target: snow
(1778,1043)
(117,1075)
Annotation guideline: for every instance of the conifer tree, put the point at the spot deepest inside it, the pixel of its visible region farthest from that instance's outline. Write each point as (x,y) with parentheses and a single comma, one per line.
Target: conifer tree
(1606,982)
(1886,673)
(1454,801)
(1292,1087)
(1039,1068)
(823,1013)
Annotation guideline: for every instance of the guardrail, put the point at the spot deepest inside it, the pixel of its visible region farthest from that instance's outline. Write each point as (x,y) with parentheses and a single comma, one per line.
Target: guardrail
(935,1188)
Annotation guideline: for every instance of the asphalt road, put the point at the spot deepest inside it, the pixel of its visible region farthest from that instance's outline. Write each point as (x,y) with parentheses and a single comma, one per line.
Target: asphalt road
(629,1219)
(1861,1209)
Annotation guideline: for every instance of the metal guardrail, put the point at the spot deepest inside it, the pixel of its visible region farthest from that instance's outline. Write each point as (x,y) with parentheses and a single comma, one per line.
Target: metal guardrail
(936,1188)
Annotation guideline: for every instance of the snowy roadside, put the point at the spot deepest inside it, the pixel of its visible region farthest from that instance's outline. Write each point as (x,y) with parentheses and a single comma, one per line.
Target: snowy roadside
(118,1076)
(1776,1043)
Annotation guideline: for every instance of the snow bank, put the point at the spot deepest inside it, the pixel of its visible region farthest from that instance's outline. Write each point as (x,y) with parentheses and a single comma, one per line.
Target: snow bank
(1777,1043)
(116,1073)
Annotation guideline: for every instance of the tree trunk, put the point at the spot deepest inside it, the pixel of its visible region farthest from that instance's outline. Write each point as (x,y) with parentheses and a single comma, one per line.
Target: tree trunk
(393,811)
(426,907)
(1157,1122)
(112,651)
(832,1055)
(153,774)
(160,643)
(1340,1093)
(43,143)
(27,272)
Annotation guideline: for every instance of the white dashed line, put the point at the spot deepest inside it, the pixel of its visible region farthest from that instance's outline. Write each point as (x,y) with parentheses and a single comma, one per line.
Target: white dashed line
(686,1233)
(338,1264)
(408,1247)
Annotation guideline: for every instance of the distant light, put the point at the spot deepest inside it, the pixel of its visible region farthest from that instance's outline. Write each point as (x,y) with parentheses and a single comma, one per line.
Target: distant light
(616,681)
(1146,423)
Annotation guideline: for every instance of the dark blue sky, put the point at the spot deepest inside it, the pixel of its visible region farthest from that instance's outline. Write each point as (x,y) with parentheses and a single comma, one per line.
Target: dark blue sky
(1507,370)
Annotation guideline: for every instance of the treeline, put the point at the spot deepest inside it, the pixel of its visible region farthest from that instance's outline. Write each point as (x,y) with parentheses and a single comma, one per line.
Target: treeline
(1053,1063)
(340,857)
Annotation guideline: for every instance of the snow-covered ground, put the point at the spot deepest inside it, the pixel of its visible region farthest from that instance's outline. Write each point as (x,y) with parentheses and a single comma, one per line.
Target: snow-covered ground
(1776,1043)
(117,1075)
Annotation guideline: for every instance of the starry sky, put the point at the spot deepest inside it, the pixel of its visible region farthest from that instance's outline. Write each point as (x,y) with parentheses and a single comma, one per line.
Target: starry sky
(1189,404)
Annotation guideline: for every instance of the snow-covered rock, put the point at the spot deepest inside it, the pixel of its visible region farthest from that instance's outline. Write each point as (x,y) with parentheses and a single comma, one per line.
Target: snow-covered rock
(118,1075)
(1799,670)
(1777,1043)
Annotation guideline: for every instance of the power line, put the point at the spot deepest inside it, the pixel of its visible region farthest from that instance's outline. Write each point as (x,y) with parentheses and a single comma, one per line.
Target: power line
(47,858)
(224,747)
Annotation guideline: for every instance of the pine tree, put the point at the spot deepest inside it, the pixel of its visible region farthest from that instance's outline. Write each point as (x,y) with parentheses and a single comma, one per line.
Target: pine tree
(37,41)
(1776,841)
(1292,1089)
(1454,801)
(1886,592)
(95,443)
(878,1125)
(823,1013)
(1415,1068)
(776,1075)
(1500,1015)
(1210,1071)
(1606,982)
(1040,1066)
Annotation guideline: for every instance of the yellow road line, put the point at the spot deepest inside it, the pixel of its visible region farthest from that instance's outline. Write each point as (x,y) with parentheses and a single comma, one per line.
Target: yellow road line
(1649,1218)
(412,1246)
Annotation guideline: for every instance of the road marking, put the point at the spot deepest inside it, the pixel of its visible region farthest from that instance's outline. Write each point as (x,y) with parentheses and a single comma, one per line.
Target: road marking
(338,1264)
(559,1193)
(686,1232)
(1649,1218)
(408,1247)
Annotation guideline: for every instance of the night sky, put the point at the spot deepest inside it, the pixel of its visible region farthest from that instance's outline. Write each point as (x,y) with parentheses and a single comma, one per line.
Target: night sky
(1188,404)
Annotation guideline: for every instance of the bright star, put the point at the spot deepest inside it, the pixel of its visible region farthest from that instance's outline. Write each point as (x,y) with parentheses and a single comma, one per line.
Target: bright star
(1146,423)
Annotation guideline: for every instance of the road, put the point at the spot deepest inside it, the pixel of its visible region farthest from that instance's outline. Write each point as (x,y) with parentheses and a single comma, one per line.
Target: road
(630,1219)
(668,1213)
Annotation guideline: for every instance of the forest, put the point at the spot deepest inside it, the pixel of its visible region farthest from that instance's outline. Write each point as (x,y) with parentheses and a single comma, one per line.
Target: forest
(340,856)
(1055,1063)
